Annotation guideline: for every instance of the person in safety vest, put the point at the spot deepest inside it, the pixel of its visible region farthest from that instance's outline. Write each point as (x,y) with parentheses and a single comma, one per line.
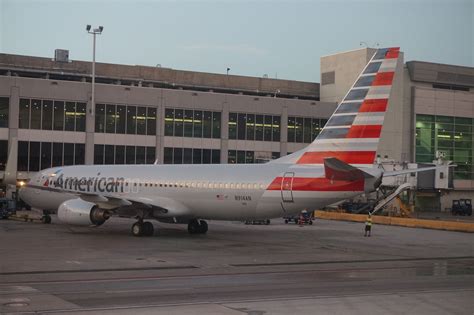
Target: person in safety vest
(368,225)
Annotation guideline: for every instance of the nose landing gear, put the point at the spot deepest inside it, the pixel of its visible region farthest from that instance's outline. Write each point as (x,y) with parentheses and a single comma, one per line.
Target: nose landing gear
(197,227)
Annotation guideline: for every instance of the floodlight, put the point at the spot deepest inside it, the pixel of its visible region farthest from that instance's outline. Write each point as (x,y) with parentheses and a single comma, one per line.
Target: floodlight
(88,27)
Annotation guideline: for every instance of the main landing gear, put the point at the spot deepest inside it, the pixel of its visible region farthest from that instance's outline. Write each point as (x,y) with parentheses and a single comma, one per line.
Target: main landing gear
(197,227)
(141,228)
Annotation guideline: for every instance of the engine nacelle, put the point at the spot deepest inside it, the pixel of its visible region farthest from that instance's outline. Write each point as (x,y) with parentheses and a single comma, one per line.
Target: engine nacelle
(80,212)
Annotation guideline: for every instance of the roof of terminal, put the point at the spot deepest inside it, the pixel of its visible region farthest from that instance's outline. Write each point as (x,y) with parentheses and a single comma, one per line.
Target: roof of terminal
(442,74)
(146,76)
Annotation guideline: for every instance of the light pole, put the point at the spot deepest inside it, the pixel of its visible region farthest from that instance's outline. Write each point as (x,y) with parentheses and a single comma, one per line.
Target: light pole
(94,32)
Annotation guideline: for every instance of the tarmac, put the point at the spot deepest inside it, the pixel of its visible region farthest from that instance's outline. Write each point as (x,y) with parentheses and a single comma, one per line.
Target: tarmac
(327,268)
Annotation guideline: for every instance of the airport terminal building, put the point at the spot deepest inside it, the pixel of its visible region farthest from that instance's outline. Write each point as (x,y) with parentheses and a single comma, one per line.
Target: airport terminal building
(146,114)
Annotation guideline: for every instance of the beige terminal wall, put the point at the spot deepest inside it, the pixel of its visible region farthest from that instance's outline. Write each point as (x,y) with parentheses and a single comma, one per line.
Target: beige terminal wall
(15,88)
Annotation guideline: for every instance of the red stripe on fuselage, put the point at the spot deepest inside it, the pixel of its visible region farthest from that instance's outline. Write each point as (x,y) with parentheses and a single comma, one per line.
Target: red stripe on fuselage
(350,157)
(318,184)
(374,105)
(383,78)
(364,131)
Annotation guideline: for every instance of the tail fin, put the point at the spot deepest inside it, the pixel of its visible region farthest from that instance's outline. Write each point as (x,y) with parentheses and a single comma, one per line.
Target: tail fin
(352,133)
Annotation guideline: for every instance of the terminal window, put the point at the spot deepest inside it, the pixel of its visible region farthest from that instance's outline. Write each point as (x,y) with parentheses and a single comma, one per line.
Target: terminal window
(125,119)
(304,129)
(254,127)
(52,115)
(34,156)
(250,157)
(192,123)
(4,104)
(191,156)
(120,154)
(451,135)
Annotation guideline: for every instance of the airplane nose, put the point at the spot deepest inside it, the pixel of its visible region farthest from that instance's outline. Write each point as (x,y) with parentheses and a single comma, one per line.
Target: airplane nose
(25,194)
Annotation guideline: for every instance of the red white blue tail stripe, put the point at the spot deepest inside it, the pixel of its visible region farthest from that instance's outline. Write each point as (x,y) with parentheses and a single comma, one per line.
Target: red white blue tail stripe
(352,133)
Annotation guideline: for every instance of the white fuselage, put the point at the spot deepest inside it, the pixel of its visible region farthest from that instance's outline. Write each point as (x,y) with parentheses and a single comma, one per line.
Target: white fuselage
(220,192)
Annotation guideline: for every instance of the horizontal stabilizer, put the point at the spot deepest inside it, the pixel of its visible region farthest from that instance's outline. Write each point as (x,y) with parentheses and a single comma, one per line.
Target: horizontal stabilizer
(336,169)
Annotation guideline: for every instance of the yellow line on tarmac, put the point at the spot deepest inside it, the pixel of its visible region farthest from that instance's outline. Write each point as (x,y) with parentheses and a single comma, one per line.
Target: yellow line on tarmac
(409,222)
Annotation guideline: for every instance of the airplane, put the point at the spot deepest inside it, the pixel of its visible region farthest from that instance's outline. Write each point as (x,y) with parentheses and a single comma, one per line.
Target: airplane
(337,165)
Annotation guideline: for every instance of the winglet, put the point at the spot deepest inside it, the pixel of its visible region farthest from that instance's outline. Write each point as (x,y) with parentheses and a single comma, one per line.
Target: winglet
(336,169)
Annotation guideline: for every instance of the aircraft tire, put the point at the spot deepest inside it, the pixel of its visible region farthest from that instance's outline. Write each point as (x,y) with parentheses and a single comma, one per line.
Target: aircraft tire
(46,219)
(203,227)
(193,227)
(137,229)
(148,229)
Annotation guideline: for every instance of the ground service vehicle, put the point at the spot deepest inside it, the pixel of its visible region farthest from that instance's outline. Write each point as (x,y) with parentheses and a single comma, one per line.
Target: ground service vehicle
(303,218)
(462,207)
(7,207)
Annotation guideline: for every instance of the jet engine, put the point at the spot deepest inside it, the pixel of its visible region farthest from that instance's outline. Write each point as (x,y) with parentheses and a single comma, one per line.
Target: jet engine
(80,212)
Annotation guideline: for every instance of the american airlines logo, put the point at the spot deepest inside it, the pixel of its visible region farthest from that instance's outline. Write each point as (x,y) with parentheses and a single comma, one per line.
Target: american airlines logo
(91,184)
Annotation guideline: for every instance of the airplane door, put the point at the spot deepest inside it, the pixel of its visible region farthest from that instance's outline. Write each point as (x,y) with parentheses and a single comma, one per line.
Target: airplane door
(287,187)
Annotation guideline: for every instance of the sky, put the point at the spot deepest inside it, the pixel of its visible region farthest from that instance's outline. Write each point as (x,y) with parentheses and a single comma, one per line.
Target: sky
(282,39)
